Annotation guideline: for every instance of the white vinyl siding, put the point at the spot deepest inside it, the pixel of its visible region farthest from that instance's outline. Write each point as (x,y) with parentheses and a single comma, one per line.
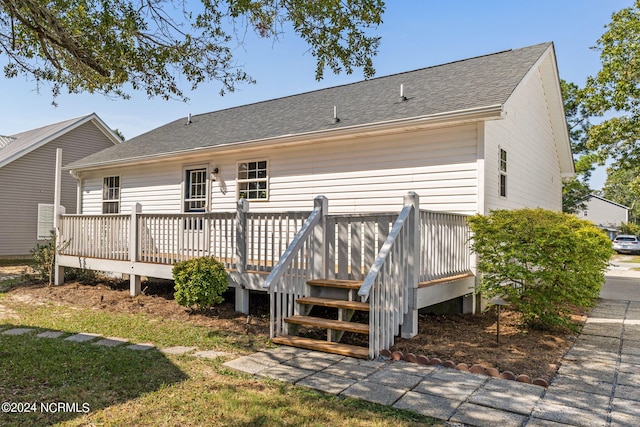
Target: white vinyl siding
(527,136)
(367,174)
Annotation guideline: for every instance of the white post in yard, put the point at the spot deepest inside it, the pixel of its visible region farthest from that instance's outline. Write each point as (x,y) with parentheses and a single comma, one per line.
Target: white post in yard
(242,294)
(58,270)
(410,323)
(134,279)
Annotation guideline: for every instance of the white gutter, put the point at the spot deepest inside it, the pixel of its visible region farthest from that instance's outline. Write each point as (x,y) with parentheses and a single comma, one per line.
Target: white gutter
(490,112)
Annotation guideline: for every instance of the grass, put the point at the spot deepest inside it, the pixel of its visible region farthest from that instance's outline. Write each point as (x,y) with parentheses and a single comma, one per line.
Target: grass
(134,327)
(126,387)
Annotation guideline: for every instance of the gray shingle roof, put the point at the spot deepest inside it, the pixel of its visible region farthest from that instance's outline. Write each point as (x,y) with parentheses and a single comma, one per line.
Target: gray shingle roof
(472,83)
(21,143)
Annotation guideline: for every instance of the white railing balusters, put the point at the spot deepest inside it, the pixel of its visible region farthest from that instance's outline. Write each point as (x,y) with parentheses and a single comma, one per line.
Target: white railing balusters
(287,280)
(444,249)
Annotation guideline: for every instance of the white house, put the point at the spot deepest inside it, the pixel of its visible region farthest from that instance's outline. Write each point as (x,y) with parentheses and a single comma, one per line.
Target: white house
(27,174)
(604,213)
(465,137)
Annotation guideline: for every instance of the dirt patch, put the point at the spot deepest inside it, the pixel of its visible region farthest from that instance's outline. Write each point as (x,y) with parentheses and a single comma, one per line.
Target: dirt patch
(472,339)
(469,339)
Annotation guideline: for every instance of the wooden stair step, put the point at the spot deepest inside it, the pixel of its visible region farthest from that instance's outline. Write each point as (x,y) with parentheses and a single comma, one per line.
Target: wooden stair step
(334,303)
(324,346)
(319,322)
(334,283)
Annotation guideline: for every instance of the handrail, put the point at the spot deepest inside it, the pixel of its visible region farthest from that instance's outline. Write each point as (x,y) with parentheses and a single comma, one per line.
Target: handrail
(300,261)
(391,277)
(375,269)
(292,250)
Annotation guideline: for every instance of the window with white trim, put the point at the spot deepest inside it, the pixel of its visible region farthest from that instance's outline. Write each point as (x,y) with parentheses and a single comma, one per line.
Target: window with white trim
(253,180)
(195,190)
(503,173)
(111,195)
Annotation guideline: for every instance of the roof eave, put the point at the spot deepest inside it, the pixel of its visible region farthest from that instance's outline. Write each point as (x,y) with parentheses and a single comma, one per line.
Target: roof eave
(491,112)
(93,117)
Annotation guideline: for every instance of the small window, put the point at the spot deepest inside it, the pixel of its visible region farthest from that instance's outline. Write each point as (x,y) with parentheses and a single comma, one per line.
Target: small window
(195,194)
(253,180)
(503,173)
(111,195)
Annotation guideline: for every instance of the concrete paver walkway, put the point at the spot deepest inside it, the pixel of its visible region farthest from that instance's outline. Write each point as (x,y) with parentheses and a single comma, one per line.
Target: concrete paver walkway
(598,383)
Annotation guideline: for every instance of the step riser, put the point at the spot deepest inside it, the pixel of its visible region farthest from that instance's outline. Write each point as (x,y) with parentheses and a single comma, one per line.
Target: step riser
(335,291)
(318,322)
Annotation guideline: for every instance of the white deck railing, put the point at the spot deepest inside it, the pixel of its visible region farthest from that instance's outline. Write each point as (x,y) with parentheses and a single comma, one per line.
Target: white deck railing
(301,261)
(269,234)
(170,238)
(96,236)
(255,240)
(390,278)
(444,245)
(353,241)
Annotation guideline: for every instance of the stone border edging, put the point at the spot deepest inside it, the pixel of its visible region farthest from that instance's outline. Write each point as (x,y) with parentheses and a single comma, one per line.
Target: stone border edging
(474,369)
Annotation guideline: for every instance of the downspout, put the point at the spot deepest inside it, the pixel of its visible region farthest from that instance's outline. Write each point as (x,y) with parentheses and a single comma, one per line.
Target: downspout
(78,179)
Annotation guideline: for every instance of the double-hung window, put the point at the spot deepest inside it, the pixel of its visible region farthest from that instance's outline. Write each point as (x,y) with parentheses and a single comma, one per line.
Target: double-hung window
(111,195)
(195,193)
(503,173)
(253,180)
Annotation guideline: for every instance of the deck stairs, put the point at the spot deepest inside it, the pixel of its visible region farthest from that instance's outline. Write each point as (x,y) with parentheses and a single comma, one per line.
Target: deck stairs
(329,309)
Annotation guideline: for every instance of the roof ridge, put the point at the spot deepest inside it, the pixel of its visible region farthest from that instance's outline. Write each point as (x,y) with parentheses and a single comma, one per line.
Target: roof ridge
(73,119)
(369,80)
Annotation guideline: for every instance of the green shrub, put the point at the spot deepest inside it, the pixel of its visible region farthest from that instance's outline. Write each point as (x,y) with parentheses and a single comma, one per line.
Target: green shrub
(200,282)
(542,261)
(43,258)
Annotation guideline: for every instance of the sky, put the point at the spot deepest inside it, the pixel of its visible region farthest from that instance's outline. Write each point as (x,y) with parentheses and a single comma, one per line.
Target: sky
(415,34)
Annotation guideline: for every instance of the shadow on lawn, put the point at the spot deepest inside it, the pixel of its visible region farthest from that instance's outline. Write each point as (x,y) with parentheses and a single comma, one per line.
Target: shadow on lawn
(49,380)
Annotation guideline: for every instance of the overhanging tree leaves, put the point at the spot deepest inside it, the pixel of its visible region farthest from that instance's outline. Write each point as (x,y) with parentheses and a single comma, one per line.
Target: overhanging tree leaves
(576,189)
(623,186)
(616,89)
(153,45)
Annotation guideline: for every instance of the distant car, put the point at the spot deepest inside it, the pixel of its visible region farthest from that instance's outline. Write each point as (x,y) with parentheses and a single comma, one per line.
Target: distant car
(626,244)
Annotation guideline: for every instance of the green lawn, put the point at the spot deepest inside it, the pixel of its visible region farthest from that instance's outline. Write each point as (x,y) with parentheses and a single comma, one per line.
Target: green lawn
(117,386)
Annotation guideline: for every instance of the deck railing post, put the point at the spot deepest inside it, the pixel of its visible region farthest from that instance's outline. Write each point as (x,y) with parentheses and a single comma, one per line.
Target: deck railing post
(134,279)
(242,294)
(320,238)
(410,323)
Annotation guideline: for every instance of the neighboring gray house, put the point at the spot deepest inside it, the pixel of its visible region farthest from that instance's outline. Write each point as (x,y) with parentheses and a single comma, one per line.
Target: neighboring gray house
(604,213)
(27,169)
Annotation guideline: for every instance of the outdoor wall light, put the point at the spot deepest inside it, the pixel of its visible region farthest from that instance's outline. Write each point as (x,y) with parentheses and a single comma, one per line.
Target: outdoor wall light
(214,174)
